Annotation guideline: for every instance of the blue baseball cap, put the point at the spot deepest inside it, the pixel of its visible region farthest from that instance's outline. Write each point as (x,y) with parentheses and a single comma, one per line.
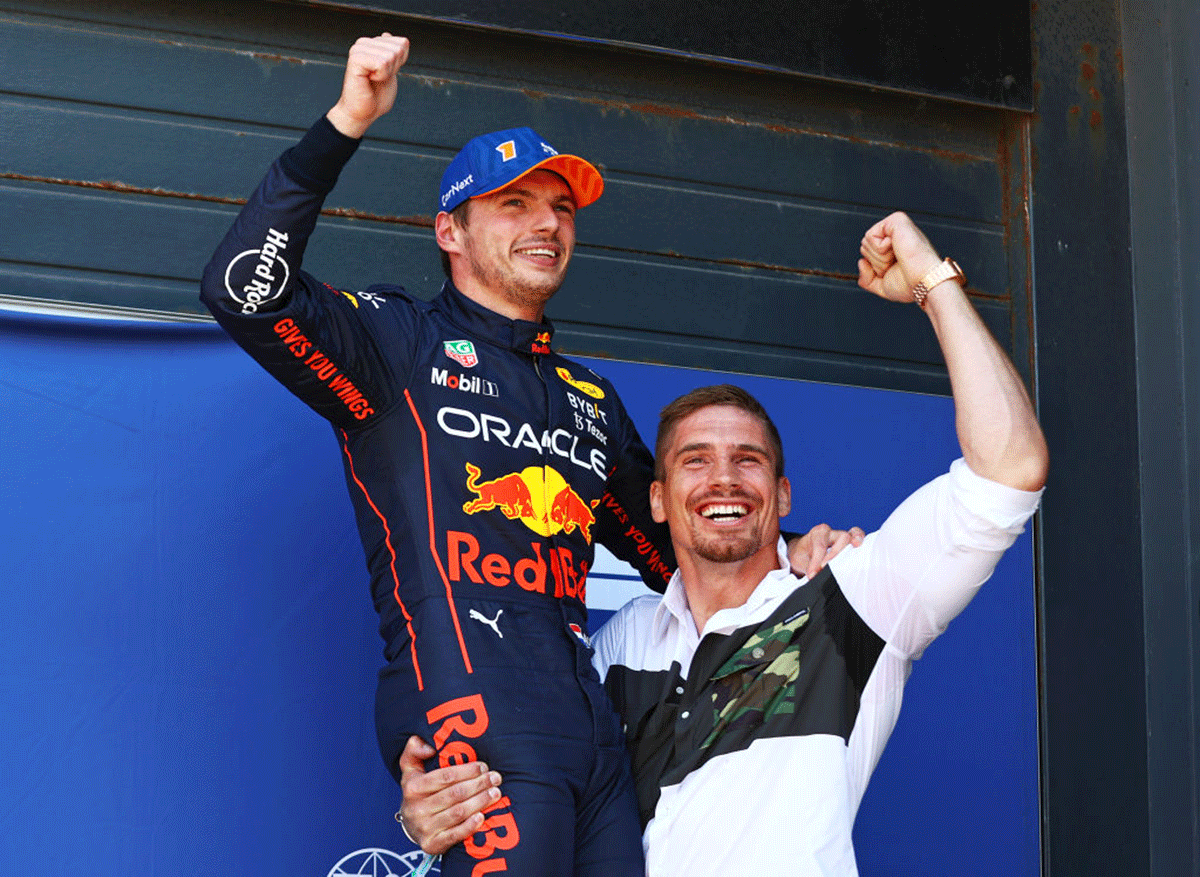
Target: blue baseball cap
(492,161)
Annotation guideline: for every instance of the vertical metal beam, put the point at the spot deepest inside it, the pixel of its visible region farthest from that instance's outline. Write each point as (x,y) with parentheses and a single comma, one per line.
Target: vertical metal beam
(1095,807)
(1162,63)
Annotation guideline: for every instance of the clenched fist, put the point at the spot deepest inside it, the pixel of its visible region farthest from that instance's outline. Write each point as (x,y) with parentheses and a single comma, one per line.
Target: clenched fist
(895,255)
(369,84)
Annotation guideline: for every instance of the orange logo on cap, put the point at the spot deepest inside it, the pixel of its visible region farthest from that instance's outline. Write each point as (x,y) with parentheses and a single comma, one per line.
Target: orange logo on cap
(507,150)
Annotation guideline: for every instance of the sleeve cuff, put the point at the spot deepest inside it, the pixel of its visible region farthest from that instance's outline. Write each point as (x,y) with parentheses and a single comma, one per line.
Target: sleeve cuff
(1006,507)
(317,160)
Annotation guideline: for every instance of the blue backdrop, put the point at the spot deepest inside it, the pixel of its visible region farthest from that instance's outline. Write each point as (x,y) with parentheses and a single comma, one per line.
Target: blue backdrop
(188,649)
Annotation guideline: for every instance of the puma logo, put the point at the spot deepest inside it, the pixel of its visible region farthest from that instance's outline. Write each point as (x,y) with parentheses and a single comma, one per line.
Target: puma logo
(493,623)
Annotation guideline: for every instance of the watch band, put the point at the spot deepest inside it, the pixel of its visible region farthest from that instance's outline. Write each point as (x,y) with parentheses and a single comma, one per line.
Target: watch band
(947,269)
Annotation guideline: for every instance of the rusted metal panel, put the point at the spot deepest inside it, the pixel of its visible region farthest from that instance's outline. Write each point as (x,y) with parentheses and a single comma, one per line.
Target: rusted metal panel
(976,53)
(733,209)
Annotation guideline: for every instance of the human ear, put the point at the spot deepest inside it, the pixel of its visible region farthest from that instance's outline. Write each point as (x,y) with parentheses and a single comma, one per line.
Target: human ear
(657,511)
(446,231)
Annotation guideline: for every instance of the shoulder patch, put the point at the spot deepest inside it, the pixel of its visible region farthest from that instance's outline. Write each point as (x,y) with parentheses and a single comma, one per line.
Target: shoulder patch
(585,387)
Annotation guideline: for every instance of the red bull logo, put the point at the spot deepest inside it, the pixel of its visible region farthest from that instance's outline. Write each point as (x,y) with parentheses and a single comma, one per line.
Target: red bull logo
(458,722)
(552,570)
(571,513)
(541,344)
(538,496)
(509,493)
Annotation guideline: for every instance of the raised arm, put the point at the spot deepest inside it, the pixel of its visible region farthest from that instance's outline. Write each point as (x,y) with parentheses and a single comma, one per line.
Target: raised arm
(997,428)
(318,341)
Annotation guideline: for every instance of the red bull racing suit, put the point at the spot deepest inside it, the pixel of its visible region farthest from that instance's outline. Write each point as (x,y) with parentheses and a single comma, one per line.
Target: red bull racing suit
(482,468)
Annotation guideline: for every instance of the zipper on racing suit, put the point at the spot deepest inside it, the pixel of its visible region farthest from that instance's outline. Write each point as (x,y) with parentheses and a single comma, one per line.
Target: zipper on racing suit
(582,656)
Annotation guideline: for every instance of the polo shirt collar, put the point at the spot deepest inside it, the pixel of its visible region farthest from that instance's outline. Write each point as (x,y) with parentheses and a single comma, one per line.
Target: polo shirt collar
(673,607)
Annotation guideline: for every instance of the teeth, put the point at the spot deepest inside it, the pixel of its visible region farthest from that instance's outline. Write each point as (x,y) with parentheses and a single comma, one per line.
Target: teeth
(538,251)
(725,511)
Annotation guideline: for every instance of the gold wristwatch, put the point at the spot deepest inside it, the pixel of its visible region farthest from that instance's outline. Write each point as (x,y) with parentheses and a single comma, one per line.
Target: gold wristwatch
(947,269)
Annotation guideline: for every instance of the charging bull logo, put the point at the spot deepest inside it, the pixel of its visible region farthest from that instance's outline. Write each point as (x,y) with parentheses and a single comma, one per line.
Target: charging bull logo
(570,512)
(510,493)
(538,496)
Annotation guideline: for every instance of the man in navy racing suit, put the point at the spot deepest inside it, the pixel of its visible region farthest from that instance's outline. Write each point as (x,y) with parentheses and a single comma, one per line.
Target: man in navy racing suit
(482,468)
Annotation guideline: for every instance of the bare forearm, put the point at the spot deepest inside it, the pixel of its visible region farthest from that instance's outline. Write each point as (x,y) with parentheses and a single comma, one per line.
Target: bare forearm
(997,427)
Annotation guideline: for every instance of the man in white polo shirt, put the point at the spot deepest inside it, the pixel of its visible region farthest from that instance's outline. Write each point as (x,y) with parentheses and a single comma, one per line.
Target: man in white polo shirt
(756,704)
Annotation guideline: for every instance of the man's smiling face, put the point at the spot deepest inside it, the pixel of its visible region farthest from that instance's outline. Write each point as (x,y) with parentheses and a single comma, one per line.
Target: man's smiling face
(518,241)
(719,492)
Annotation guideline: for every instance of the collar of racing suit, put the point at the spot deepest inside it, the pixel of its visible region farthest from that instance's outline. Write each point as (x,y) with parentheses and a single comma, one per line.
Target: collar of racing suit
(519,335)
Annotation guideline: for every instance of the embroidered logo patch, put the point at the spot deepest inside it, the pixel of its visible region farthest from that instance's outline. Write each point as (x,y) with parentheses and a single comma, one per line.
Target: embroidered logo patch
(462,352)
(582,386)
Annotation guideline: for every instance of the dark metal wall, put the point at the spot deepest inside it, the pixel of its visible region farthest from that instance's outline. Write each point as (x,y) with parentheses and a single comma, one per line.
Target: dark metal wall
(1093,637)
(1114,202)
(728,237)
(1162,69)
(978,53)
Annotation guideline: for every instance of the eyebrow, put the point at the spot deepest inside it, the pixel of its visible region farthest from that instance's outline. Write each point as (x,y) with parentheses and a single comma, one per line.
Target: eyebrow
(704,446)
(528,193)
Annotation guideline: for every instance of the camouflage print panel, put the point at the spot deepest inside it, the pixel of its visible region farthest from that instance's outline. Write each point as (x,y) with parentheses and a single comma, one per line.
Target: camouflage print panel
(758,681)
(817,656)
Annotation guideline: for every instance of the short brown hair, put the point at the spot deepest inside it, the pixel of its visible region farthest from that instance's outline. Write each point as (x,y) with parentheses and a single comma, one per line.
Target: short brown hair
(460,215)
(704,397)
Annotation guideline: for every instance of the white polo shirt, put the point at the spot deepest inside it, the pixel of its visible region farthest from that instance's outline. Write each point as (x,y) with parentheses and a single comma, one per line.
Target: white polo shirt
(753,740)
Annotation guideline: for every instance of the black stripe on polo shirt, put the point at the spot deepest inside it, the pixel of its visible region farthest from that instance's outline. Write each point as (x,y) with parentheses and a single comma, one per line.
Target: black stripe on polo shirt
(800,672)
